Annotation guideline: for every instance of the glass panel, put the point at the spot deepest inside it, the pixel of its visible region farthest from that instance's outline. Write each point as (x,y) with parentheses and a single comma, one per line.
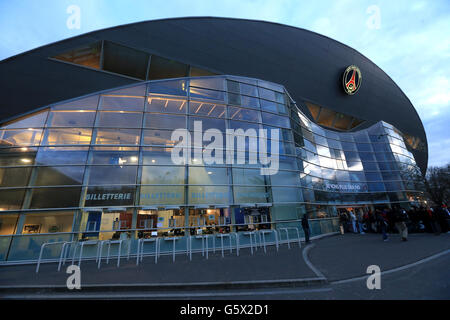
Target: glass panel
(8,224)
(249,90)
(108,156)
(157,195)
(158,137)
(17,156)
(48,222)
(208,175)
(206,94)
(29,137)
(326,117)
(251,195)
(14,177)
(55,198)
(287,194)
(67,136)
(31,121)
(248,177)
(61,155)
(110,196)
(267,94)
(118,136)
(207,123)
(155,155)
(175,88)
(122,103)
(99,175)
(249,102)
(237,113)
(342,121)
(162,175)
(71,119)
(209,83)
(208,195)
(124,60)
(164,121)
(162,68)
(166,105)
(89,103)
(207,109)
(11,199)
(275,120)
(50,176)
(87,55)
(119,119)
(285,178)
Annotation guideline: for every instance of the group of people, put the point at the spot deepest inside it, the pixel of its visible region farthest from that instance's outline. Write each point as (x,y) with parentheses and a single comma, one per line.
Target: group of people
(390,220)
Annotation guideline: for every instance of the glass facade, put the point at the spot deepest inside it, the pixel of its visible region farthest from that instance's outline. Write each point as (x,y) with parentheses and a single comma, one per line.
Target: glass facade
(97,166)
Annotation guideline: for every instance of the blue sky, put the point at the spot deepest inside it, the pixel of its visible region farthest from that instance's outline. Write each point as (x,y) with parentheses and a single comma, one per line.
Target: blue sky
(408,39)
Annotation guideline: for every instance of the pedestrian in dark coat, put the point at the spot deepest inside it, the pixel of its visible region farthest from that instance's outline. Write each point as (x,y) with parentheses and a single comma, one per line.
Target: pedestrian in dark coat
(305,226)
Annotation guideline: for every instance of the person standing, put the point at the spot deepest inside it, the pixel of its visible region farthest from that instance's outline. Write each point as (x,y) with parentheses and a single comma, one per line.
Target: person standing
(401,217)
(353,221)
(342,221)
(382,223)
(305,226)
(360,218)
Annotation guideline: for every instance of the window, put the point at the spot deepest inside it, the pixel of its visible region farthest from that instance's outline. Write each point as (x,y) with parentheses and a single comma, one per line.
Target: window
(61,155)
(14,177)
(207,175)
(124,60)
(162,195)
(164,121)
(158,137)
(107,155)
(114,174)
(162,175)
(207,109)
(48,222)
(122,103)
(163,105)
(251,195)
(237,113)
(118,136)
(80,118)
(87,55)
(29,137)
(172,87)
(67,136)
(53,176)
(162,68)
(8,223)
(55,198)
(119,119)
(208,195)
(17,156)
(89,103)
(36,120)
(208,83)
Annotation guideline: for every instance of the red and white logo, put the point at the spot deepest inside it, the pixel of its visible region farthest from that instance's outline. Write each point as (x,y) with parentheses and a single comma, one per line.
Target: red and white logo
(351,79)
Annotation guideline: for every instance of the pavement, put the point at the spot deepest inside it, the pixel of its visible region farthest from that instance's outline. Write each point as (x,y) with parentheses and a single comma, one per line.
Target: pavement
(332,267)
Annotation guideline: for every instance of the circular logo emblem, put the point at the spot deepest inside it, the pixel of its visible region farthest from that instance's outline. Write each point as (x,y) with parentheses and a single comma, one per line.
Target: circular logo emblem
(352,79)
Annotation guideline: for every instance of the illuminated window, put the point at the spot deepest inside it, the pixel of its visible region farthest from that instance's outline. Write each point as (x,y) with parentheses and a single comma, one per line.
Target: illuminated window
(88,55)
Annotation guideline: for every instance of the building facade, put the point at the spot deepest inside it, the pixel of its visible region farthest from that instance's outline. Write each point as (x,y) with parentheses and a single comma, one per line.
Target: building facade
(101,166)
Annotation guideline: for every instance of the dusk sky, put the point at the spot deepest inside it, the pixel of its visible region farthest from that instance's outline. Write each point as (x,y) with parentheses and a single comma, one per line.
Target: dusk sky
(408,39)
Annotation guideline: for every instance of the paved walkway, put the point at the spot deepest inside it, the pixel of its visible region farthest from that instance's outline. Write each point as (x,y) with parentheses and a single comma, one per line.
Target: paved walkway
(349,255)
(335,257)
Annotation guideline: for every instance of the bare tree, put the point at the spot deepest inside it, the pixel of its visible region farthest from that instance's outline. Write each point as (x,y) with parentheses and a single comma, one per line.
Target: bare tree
(437,183)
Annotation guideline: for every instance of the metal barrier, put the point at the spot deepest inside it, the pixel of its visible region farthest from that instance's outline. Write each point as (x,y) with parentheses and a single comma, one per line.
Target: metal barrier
(254,236)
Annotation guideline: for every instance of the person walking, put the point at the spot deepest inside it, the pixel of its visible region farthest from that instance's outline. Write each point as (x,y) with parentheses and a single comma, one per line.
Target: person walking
(400,218)
(305,226)
(382,223)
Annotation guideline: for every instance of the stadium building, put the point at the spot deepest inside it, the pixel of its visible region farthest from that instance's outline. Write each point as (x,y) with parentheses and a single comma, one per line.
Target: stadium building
(87,136)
